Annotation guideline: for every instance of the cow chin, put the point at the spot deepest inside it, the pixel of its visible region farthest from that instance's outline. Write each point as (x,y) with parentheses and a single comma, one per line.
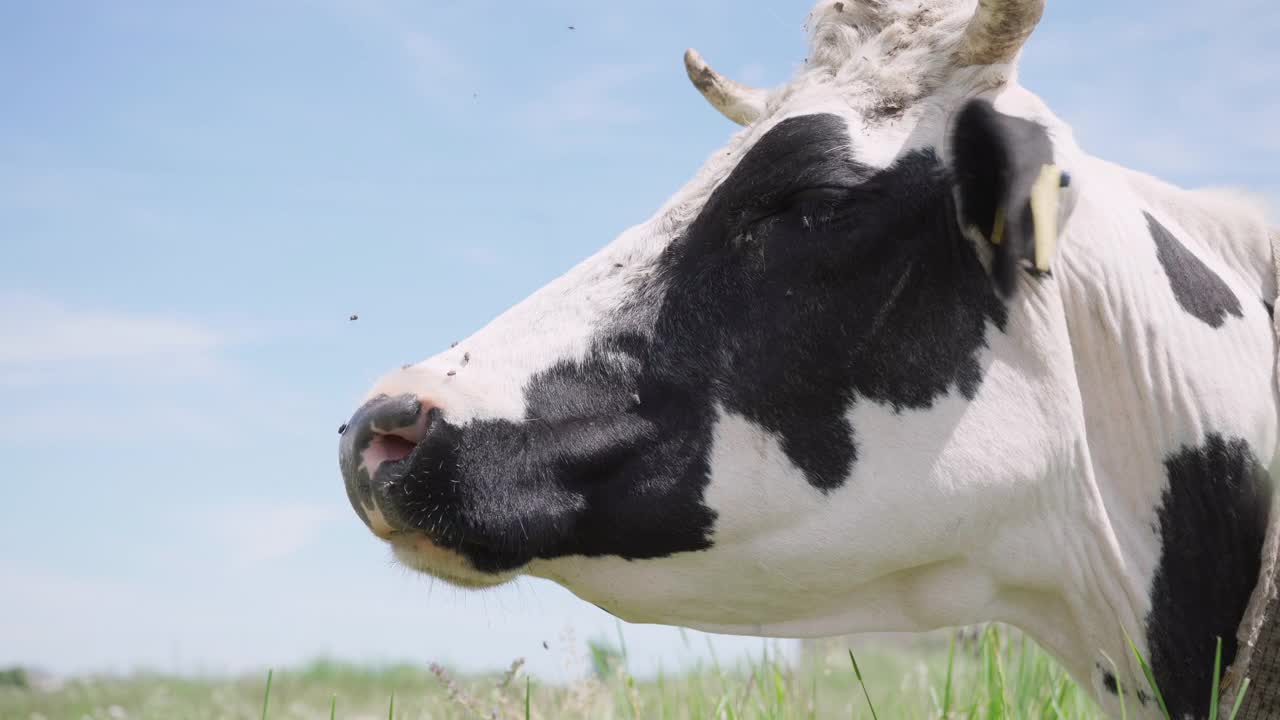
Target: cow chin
(417,551)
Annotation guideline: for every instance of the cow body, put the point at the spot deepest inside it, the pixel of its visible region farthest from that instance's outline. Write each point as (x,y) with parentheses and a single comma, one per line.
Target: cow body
(1171,334)
(817,394)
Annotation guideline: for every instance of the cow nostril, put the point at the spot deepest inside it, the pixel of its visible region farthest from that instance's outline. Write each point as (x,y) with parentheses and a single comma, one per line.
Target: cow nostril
(394,429)
(384,429)
(381,436)
(385,448)
(408,434)
(393,446)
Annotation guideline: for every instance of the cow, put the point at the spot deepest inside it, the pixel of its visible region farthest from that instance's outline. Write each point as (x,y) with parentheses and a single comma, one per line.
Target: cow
(902,355)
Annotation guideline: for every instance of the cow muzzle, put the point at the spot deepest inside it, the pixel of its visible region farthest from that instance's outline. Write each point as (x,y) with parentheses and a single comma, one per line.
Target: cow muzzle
(374,452)
(384,452)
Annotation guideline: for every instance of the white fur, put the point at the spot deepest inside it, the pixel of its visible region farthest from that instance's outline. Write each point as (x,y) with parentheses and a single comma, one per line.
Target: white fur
(1032,504)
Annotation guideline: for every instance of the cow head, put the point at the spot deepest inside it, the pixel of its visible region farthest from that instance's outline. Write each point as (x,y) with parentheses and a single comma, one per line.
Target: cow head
(780,405)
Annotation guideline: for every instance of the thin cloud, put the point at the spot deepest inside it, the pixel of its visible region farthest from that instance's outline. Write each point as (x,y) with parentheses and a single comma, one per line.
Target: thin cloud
(49,618)
(586,105)
(40,330)
(481,256)
(1158,93)
(44,339)
(41,423)
(757,74)
(253,535)
(435,68)
(438,72)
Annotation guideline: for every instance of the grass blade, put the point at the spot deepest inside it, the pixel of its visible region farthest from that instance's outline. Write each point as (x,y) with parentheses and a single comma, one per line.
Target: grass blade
(946,686)
(779,689)
(633,698)
(715,663)
(622,645)
(266,697)
(1058,699)
(1239,699)
(1146,670)
(746,693)
(1054,703)
(528,690)
(1115,670)
(813,697)
(391,709)
(994,673)
(333,706)
(858,673)
(1217,674)
(725,709)
(1020,689)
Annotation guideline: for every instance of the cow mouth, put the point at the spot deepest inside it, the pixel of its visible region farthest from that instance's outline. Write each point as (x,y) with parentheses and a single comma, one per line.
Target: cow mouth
(386,449)
(476,503)
(421,539)
(399,461)
(375,449)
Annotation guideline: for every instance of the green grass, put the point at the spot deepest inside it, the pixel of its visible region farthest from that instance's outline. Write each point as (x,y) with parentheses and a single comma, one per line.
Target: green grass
(994,677)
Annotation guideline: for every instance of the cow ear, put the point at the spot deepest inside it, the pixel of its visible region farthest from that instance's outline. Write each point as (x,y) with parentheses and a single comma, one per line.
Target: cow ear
(1007,188)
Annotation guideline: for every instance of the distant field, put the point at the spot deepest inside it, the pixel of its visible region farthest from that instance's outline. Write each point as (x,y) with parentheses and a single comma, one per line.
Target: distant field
(990,677)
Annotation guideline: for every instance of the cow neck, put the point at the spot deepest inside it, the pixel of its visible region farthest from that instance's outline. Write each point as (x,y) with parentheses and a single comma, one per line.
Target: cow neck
(1258,658)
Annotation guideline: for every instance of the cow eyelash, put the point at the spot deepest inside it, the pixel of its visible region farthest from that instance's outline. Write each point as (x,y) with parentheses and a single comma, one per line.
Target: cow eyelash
(805,200)
(820,192)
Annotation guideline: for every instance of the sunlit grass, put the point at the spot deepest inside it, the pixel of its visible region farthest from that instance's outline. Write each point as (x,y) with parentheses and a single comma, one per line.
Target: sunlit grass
(995,676)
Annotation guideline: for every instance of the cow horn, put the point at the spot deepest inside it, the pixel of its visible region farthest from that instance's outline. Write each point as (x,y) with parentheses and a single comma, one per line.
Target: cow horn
(998,30)
(738,102)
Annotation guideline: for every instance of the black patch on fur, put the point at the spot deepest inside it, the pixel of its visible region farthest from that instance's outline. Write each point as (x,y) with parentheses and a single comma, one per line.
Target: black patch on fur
(1211,523)
(792,295)
(1109,682)
(808,282)
(1111,685)
(996,159)
(1197,288)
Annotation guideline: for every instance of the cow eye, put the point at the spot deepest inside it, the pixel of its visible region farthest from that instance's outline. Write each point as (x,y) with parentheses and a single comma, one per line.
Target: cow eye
(810,205)
(817,198)
(821,192)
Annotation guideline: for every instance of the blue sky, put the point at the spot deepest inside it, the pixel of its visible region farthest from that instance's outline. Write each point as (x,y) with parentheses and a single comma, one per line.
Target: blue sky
(194,198)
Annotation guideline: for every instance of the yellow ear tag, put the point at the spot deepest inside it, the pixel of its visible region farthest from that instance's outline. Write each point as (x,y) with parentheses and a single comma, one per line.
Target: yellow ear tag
(997,227)
(1044,213)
